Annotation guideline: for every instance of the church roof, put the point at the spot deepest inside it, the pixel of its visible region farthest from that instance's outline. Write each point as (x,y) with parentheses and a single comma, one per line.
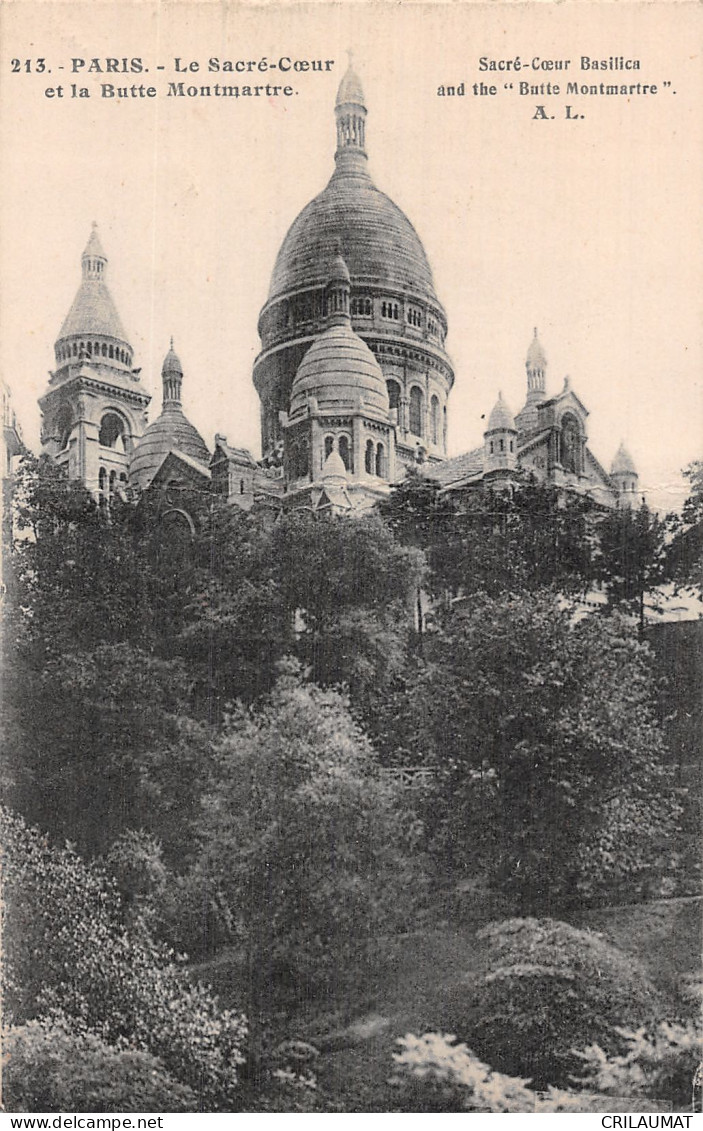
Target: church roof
(378,242)
(501,417)
(341,372)
(172,363)
(171,431)
(350,89)
(452,471)
(623,462)
(334,470)
(93,310)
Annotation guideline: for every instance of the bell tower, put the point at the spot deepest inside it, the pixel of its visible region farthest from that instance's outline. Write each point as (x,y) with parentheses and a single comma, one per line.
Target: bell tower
(95,407)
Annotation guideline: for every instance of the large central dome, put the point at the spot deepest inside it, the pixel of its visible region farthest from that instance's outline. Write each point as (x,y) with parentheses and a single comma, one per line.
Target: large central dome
(393,305)
(378,241)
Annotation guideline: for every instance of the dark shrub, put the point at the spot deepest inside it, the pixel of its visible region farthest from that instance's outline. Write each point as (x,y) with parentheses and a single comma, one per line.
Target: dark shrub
(552,988)
(48,1068)
(68,953)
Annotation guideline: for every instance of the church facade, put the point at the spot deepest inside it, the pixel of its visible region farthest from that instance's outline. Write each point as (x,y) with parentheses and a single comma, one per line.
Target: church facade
(353,376)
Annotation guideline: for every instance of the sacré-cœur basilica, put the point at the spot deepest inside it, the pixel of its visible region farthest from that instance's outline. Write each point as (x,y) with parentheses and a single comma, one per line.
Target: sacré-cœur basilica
(353,376)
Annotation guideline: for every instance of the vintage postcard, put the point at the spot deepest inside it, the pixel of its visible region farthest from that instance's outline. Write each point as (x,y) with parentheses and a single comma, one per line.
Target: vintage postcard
(352,361)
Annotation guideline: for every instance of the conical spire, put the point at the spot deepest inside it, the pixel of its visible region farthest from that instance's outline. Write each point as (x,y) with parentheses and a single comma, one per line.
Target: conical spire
(172,378)
(536,366)
(93,260)
(350,112)
(93,311)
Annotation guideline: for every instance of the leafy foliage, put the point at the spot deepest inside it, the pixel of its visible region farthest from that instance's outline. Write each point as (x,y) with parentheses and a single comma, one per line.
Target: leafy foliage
(631,558)
(307,853)
(685,548)
(47,1067)
(496,541)
(662,1065)
(538,729)
(67,954)
(550,988)
(436,1074)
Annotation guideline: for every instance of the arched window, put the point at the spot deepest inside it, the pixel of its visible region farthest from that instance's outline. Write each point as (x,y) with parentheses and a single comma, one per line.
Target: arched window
(102,480)
(112,432)
(570,443)
(329,445)
(416,411)
(512,446)
(113,481)
(75,349)
(434,419)
(64,426)
(381,461)
(490,447)
(368,461)
(112,351)
(444,425)
(241,486)
(345,452)
(393,393)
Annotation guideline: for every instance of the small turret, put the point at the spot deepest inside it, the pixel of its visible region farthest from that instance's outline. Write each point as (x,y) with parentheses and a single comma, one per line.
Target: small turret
(624,474)
(500,439)
(337,293)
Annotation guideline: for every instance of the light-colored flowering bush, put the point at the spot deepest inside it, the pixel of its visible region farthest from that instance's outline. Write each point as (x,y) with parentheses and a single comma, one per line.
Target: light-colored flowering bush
(661,1065)
(434,1073)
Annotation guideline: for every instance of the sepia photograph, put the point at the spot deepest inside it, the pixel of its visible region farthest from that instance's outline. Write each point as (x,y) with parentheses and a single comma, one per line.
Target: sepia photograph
(351,358)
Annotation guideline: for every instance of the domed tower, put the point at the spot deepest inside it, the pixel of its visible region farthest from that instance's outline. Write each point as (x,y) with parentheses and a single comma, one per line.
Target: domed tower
(500,439)
(340,419)
(170,432)
(95,407)
(624,475)
(536,369)
(392,302)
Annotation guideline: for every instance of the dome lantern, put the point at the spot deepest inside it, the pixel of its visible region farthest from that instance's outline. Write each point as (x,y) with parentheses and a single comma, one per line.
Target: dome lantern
(536,366)
(350,112)
(172,378)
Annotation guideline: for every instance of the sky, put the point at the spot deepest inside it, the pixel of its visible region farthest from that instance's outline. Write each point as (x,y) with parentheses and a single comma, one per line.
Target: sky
(589,229)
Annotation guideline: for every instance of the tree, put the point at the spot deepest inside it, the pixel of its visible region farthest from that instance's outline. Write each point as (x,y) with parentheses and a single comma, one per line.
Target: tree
(631,558)
(496,540)
(69,958)
(307,852)
(684,558)
(99,739)
(536,727)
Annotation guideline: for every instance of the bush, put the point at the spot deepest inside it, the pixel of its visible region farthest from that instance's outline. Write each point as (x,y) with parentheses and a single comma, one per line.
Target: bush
(46,1067)
(68,953)
(308,853)
(661,1065)
(435,1074)
(550,988)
